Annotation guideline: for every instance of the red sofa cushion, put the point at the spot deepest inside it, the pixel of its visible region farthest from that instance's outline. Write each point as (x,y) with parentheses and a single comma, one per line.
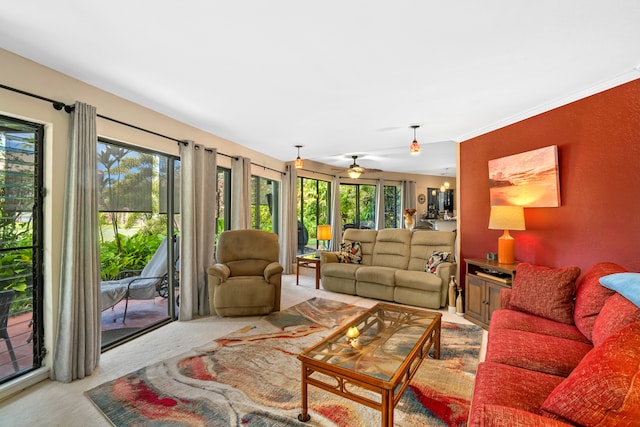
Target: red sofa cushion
(617,313)
(546,292)
(529,350)
(591,296)
(604,389)
(501,416)
(504,385)
(518,320)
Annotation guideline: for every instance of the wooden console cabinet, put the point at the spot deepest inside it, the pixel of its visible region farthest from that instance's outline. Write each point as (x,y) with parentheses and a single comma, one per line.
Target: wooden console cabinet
(484,281)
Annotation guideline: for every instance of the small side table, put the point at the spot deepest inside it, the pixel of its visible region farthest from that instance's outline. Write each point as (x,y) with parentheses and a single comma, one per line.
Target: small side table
(309,261)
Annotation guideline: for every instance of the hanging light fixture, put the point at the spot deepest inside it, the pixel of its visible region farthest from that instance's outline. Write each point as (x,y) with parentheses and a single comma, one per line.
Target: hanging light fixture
(414,148)
(447,185)
(354,170)
(299,163)
(354,174)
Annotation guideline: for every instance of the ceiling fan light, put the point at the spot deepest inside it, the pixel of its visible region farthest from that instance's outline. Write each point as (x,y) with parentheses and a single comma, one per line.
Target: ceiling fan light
(414,148)
(354,174)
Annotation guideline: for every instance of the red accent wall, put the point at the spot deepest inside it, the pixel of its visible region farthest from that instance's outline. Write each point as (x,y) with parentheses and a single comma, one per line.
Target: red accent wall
(598,141)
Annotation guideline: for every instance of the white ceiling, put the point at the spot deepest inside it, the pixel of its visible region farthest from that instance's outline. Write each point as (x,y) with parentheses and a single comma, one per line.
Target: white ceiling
(338,77)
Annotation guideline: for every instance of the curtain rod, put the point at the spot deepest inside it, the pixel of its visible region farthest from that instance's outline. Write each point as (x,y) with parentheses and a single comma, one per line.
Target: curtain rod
(137,127)
(179,141)
(59,105)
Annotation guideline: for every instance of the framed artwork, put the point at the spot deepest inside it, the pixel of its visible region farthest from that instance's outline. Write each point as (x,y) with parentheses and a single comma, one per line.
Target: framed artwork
(528,179)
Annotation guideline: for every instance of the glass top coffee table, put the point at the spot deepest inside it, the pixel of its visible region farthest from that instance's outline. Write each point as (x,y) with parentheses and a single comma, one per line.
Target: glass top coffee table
(372,359)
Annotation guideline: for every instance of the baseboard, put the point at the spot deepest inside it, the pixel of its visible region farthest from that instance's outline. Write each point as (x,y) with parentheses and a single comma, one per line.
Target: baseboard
(25,381)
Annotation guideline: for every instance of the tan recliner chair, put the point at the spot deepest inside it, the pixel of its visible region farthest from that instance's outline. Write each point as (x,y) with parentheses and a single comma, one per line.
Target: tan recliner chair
(246,280)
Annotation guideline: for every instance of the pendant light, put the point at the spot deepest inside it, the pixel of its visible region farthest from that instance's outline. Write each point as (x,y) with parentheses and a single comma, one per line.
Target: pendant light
(299,163)
(414,148)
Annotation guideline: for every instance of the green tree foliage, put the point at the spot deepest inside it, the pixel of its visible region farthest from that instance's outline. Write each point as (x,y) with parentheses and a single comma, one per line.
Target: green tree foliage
(392,206)
(134,253)
(358,204)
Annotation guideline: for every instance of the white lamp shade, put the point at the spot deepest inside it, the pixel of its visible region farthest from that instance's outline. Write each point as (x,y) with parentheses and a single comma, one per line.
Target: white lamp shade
(506,218)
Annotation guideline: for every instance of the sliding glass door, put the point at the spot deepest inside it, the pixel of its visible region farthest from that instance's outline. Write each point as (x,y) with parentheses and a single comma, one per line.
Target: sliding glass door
(139,240)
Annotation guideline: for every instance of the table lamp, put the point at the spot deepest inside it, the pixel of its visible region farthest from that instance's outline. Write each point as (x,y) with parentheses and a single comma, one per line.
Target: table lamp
(324,233)
(506,218)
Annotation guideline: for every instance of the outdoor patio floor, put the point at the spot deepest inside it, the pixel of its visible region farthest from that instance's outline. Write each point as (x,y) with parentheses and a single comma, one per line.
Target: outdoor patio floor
(140,314)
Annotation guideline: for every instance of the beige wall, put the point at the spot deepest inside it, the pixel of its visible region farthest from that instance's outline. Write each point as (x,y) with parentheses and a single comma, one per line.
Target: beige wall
(20,73)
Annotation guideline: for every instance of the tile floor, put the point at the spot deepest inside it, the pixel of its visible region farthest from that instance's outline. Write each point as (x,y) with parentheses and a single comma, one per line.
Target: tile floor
(52,403)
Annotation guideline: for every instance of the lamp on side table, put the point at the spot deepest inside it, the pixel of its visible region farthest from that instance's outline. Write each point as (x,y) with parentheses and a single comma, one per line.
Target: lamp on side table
(506,218)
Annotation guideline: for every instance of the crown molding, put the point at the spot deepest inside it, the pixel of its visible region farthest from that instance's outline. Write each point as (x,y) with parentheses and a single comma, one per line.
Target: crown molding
(559,102)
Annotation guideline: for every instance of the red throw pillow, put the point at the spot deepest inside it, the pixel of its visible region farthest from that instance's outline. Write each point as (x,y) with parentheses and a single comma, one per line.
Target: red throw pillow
(617,313)
(591,296)
(545,292)
(604,389)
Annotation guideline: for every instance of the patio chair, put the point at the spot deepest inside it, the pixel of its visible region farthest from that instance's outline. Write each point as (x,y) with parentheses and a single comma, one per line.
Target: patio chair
(6,297)
(139,284)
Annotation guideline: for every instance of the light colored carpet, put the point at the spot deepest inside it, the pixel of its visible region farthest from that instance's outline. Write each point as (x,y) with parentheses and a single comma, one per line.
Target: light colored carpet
(57,404)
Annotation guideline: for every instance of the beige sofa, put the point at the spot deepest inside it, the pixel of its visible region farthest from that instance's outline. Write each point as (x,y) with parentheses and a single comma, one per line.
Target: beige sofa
(392,267)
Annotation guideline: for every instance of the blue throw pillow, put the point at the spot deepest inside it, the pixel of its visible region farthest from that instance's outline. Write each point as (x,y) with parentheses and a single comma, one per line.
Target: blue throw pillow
(626,284)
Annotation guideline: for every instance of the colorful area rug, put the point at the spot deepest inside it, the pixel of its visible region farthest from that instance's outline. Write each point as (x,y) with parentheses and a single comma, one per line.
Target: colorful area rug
(251,377)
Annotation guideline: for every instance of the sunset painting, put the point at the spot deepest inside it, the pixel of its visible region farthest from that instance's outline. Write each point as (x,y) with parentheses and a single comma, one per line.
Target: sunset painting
(527,179)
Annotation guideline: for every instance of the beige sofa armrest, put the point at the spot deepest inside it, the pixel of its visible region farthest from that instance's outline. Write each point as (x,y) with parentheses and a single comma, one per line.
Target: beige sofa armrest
(271,270)
(219,271)
(327,257)
(445,270)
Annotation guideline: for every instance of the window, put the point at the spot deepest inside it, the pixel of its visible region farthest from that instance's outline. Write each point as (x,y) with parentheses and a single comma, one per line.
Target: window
(21,284)
(265,196)
(358,205)
(313,209)
(392,199)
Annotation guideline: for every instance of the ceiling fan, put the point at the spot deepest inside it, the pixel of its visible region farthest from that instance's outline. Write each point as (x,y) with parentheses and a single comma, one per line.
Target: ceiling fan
(355,170)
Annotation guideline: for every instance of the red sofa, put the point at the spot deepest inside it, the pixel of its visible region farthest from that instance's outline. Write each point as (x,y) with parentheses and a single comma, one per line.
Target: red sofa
(560,353)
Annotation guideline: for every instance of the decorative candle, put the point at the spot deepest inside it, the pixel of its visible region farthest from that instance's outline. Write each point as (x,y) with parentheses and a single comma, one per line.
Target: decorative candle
(353,332)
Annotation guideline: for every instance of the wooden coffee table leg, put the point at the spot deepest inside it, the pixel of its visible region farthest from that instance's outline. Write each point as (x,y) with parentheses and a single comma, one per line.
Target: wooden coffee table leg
(297,272)
(386,408)
(304,415)
(436,342)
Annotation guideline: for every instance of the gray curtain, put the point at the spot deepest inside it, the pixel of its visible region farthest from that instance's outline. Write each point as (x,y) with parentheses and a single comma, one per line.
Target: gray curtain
(197,226)
(289,239)
(380,205)
(241,193)
(336,217)
(77,349)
